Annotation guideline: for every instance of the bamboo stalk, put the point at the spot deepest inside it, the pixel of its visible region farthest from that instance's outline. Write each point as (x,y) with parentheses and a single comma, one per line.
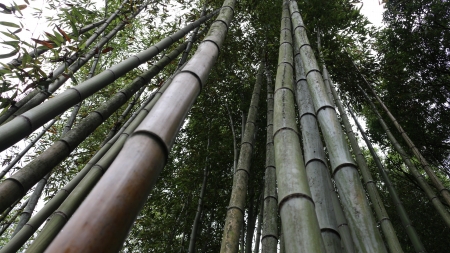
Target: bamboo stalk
(235,213)
(299,222)
(356,207)
(11,220)
(16,186)
(377,203)
(406,222)
(445,215)
(117,198)
(27,122)
(317,171)
(269,238)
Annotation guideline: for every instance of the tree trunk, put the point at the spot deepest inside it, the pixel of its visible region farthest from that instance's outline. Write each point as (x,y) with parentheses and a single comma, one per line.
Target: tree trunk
(356,207)
(299,221)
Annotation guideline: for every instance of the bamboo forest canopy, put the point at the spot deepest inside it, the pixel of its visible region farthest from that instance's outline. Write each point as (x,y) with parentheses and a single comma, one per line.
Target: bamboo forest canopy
(163,126)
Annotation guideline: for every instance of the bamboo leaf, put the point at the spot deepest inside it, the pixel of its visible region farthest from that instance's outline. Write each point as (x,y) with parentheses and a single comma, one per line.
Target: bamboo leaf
(11,35)
(63,34)
(44,43)
(10,24)
(10,54)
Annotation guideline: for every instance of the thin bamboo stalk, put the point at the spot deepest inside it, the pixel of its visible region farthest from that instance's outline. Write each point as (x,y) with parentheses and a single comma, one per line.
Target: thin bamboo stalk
(366,236)
(235,213)
(269,239)
(16,186)
(445,215)
(7,211)
(259,226)
(445,193)
(27,122)
(347,244)
(299,221)
(14,110)
(317,171)
(11,220)
(143,156)
(377,203)
(406,222)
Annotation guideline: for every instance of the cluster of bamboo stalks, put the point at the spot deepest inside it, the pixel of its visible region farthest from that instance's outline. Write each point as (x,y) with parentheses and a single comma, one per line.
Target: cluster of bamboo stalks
(320,199)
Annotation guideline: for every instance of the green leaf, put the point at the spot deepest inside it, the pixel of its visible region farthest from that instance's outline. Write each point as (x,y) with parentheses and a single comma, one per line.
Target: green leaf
(10,54)
(12,36)
(10,24)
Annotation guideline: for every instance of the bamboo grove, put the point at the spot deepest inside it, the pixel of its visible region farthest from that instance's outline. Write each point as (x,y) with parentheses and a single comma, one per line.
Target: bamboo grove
(225,126)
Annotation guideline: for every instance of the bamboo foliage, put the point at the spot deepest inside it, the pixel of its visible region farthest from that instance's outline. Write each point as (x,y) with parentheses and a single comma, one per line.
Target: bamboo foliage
(300,226)
(356,208)
(440,208)
(27,122)
(17,185)
(269,238)
(115,201)
(406,222)
(319,178)
(235,212)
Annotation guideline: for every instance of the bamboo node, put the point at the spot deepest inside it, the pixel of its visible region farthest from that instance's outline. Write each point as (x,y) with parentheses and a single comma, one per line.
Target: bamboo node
(294,195)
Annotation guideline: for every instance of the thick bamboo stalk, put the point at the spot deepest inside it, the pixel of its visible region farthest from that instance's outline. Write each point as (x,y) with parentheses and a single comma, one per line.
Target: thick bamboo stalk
(299,221)
(377,203)
(317,171)
(198,214)
(445,215)
(17,185)
(269,238)
(406,222)
(14,110)
(445,193)
(103,220)
(235,213)
(356,207)
(27,122)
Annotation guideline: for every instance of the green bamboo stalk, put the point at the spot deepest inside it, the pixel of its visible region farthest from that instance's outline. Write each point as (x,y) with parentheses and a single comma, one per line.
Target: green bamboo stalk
(406,222)
(317,171)
(235,213)
(347,244)
(377,203)
(16,186)
(412,168)
(7,211)
(143,156)
(269,239)
(299,221)
(24,124)
(110,150)
(445,193)
(366,236)
(18,107)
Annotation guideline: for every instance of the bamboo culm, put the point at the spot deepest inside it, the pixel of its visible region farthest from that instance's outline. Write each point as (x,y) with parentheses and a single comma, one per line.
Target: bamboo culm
(143,156)
(60,69)
(366,236)
(235,213)
(299,222)
(11,220)
(319,178)
(109,151)
(445,215)
(406,222)
(34,118)
(269,240)
(259,226)
(374,196)
(24,179)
